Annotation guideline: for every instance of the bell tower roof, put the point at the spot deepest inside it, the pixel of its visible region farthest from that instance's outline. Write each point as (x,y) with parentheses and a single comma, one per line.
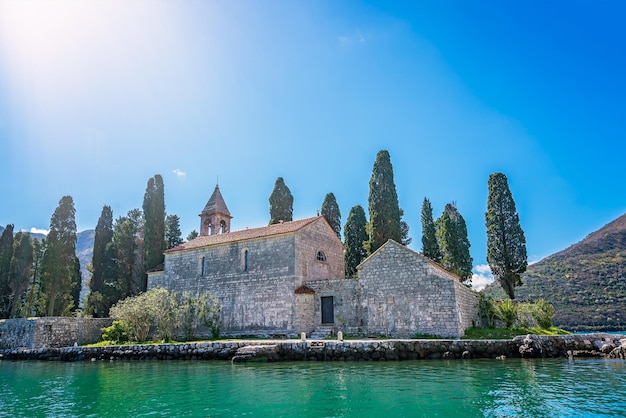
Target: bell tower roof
(216,203)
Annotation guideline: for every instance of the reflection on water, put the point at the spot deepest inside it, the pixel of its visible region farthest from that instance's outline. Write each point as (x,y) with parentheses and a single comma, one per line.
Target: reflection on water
(533,388)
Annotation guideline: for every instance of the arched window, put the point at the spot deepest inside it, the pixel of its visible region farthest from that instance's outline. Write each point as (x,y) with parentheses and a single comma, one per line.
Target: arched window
(321,256)
(222,227)
(209,228)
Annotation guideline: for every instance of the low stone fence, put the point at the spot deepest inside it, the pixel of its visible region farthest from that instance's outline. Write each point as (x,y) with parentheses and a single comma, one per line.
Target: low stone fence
(50,332)
(595,345)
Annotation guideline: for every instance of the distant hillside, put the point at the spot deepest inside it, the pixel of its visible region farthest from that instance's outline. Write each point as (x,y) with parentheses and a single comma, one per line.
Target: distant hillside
(586,282)
(84,252)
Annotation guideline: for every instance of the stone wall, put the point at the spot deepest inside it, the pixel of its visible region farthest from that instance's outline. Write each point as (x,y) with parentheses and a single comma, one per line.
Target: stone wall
(347,309)
(572,346)
(404,293)
(50,331)
(257,297)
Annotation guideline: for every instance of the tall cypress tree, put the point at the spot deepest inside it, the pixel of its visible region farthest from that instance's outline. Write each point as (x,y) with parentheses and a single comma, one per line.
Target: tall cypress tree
(430,246)
(102,267)
(61,279)
(154,225)
(21,271)
(330,211)
(355,234)
(454,244)
(128,250)
(506,243)
(384,210)
(6,252)
(281,203)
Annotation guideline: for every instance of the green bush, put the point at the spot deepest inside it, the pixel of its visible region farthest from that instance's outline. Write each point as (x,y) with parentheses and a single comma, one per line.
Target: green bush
(117,333)
(506,311)
(486,311)
(543,313)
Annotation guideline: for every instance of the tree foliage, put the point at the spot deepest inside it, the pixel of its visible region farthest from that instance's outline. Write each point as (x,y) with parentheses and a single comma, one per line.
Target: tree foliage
(430,246)
(281,203)
(454,243)
(154,225)
(173,236)
(21,272)
(128,253)
(104,272)
(6,253)
(355,234)
(506,243)
(384,210)
(192,235)
(330,211)
(61,279)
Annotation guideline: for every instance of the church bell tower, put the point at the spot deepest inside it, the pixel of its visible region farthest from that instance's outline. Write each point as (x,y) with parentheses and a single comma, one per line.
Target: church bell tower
(215,217)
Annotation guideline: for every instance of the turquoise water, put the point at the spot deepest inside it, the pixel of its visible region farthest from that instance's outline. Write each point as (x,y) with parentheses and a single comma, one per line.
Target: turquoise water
(477,388)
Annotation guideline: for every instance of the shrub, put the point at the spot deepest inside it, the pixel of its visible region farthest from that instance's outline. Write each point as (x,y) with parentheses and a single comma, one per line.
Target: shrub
(210,308)
(486,310)
(543,313)
(506,311)
(118,332)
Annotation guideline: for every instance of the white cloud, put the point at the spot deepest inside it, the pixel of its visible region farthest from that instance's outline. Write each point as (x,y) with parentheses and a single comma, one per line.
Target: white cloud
(39,231)
(179,173)
(355,38)
(482,277)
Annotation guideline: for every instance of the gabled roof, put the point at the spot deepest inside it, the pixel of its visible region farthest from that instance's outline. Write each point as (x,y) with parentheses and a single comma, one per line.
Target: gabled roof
(405,248)
(246,234)
(216,203)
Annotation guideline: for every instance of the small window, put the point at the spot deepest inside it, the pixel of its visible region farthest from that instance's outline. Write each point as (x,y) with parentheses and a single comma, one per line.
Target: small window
(222,227)
(202,266)
(245,260)
(321,256)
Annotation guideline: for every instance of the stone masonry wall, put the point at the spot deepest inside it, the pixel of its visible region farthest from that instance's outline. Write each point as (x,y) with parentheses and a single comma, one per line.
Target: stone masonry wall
(403,294)
(258,298)
(50,331)
(318,236)
(347,309)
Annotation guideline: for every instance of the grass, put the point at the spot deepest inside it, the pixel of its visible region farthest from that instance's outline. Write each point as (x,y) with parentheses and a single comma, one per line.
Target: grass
(508,333)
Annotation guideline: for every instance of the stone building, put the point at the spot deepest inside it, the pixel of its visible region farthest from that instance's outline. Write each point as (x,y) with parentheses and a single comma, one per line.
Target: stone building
(288,278)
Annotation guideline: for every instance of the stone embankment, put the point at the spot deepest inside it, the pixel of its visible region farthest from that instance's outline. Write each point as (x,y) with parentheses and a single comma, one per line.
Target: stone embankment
(530,346)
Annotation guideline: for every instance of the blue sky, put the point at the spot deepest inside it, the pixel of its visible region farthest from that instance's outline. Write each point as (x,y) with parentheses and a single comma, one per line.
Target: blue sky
(96,97)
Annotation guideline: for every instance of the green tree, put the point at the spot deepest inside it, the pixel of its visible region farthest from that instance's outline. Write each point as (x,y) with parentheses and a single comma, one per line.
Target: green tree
(6,253)
(21,271)
(192,235)
(281,203)
(454,244)
(384,210)
(430,246)
(33,304)
(355,234)
(154,225)
(330,211)
(103,269)
(506,243)
(61,278)
(128,252)
(173,236)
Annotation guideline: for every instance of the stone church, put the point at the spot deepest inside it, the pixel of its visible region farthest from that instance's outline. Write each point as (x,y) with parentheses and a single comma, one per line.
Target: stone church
(288,278)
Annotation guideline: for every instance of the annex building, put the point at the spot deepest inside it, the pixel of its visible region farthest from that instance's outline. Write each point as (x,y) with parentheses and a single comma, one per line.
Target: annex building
(288,278)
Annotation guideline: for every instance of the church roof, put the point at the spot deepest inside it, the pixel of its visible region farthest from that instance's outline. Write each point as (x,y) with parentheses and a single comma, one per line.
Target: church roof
(216,203)
(246,234)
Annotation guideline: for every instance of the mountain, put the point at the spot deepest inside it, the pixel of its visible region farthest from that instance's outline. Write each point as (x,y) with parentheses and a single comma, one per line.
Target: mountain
(586,282)
(84,252)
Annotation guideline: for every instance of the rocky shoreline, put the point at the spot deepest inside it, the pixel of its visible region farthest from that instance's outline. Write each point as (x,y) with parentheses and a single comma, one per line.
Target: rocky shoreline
(529,346)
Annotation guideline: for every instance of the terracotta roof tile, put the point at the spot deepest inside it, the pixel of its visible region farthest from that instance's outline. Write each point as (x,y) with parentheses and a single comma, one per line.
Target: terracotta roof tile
(246,234)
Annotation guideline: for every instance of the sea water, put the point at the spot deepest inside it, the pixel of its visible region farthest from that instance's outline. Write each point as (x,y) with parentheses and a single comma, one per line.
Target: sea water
(427,388)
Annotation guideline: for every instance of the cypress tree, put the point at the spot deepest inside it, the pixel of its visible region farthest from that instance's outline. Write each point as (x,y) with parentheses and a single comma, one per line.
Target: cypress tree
(384,210)
(154,225)
(330,211)
(6,253)
(127,247)
(430,246)
(506,243)
(355,234)
(454,244)
(102,267)
(21,271)
(61,279)
(281,203)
